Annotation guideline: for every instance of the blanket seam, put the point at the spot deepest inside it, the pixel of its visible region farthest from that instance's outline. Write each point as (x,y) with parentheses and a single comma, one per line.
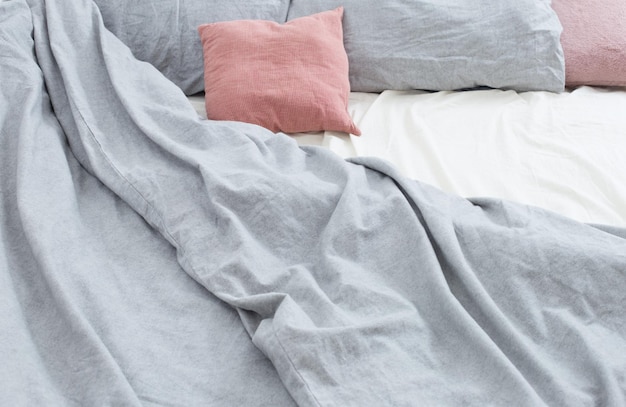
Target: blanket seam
(178,247)
(293,365)
(108,161)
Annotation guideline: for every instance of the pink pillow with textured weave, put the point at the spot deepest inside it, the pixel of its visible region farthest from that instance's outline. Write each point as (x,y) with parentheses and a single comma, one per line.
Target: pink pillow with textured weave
(290,77)
(594,41)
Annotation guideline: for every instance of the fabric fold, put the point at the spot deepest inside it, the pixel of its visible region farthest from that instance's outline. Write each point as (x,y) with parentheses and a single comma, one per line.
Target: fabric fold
(361,287)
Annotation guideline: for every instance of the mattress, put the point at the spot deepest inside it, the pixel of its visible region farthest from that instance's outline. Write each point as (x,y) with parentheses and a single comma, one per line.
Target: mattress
(561,152)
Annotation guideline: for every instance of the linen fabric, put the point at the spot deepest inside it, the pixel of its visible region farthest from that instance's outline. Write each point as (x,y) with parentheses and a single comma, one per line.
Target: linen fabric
(448,45)
(291,77)
(559,151)
(594,41)
(95,309)
(361,287)
(164,32)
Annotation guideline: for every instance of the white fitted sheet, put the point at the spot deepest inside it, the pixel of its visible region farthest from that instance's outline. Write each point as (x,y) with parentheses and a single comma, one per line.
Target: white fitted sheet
(563,152)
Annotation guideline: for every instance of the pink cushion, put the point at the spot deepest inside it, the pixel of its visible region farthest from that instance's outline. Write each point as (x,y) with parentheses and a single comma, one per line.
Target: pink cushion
(594,41)
(291,77)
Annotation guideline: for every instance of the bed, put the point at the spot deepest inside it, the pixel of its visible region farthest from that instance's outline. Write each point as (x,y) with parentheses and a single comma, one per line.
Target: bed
(417,224)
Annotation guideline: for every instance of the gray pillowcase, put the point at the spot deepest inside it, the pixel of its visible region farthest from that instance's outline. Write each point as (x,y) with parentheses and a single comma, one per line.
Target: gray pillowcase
(164,32)
(448,44)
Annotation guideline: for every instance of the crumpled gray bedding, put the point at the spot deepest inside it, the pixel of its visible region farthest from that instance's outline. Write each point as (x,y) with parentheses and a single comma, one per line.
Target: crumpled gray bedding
(148,257)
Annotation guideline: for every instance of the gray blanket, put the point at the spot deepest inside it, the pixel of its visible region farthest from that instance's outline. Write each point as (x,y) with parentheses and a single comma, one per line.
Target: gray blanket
(148,257)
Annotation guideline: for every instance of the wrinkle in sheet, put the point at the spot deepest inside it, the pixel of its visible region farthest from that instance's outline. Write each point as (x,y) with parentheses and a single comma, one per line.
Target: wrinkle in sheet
(417,240)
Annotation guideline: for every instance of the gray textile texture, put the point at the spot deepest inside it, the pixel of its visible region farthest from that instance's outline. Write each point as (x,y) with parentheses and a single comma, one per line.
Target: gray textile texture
(359,286)
(94,308)
(448,44)
(165,32)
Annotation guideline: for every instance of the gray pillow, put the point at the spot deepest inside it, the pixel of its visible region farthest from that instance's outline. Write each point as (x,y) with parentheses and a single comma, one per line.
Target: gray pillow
(164,32)
(448,44)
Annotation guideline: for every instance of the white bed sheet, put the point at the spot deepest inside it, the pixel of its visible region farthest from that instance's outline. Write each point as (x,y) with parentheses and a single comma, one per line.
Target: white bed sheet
(563,152)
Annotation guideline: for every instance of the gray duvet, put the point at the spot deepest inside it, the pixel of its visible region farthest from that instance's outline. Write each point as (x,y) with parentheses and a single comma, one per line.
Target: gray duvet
(148,257)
